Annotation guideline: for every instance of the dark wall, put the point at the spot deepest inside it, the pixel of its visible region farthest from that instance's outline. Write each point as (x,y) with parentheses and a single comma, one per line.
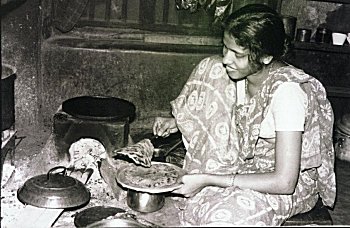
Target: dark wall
(332,68)
(148,78)
(21,33)
(20,47)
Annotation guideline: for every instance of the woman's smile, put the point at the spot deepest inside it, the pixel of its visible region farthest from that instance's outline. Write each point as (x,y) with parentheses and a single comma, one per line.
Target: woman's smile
(230,69)
(235,58)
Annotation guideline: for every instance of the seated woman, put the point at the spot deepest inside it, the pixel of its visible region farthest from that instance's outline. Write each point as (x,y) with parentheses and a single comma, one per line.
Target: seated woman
(258,131)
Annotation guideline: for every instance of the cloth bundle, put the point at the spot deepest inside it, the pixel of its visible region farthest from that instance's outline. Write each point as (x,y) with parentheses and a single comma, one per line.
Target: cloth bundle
(221,8)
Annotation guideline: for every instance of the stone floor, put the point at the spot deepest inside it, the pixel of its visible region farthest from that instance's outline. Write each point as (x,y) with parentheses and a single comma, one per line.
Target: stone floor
(29,145)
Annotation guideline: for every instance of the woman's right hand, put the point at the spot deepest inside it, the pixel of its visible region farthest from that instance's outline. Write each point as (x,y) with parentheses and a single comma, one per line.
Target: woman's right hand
(164,126)
(191,184)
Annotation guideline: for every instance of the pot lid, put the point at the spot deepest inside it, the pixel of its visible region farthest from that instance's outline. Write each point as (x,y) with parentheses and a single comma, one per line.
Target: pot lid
(54,190)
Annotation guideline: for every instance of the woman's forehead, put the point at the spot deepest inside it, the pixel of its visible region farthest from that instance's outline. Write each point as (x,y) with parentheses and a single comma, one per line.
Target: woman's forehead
(230,43)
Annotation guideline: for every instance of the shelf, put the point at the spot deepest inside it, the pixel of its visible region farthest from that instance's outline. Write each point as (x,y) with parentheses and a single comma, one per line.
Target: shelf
(338,91)
(322,47)
(333,1)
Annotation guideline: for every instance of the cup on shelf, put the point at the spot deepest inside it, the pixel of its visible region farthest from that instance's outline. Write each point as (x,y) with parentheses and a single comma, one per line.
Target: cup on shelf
(303,35)
(323,35)
(338,38)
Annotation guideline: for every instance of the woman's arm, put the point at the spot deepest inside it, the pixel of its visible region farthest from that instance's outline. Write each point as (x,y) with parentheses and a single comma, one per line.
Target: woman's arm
(281,181)
(288,108)
(285,176)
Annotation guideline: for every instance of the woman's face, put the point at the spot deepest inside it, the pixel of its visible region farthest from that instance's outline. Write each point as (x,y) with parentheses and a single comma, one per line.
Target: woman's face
(236,59)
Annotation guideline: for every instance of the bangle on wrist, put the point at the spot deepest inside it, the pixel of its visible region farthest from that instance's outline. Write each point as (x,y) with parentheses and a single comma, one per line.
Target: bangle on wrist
(232,180)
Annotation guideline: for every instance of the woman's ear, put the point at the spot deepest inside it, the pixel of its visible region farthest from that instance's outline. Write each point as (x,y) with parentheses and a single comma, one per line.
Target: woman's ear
(267,59)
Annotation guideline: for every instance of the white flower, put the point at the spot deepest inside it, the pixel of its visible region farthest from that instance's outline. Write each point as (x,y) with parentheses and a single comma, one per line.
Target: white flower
(327,110)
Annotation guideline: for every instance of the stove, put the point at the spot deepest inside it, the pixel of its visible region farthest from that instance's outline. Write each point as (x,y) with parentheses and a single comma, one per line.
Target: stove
(8,131)
(105,119)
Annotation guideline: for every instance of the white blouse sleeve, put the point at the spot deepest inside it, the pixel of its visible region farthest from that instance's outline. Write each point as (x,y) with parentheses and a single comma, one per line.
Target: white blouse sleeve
(286,112)
(288,107)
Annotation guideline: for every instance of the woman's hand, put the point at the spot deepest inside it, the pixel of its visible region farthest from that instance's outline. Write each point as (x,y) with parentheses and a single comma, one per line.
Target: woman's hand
(164,126)
(191,184)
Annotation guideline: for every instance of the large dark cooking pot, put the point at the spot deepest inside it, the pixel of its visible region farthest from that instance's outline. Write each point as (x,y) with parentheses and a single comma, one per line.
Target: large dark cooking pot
(99,108)
(54,190)
(8,76)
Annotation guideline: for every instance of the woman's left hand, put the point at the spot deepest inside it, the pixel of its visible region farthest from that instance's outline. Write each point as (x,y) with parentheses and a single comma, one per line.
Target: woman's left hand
(191,184)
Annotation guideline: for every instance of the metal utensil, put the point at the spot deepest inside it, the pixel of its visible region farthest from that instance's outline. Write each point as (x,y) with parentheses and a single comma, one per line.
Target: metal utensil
(144,202)
(172,148)
(54,190)
(161,145)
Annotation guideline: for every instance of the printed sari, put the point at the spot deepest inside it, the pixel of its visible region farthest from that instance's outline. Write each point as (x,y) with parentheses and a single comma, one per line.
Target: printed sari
(224,138)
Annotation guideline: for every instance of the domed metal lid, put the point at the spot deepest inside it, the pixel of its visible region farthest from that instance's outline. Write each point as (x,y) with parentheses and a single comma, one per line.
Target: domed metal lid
(54,190)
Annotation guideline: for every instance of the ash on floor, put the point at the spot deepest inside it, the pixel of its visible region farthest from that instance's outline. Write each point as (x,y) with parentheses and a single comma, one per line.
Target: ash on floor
(102,185)
(29,162)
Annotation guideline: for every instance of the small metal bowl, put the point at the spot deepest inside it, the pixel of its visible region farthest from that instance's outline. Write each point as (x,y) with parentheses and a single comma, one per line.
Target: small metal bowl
(144,202)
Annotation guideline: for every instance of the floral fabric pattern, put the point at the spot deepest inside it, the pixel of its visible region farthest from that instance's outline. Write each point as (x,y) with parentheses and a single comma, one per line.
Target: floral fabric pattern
(317,148)
(204,111)
(221,135)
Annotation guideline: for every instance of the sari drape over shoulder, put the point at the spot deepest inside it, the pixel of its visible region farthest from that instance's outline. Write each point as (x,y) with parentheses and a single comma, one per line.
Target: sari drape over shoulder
(223,138)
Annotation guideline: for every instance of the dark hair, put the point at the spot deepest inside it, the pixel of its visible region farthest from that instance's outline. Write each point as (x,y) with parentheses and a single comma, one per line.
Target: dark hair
(260,29)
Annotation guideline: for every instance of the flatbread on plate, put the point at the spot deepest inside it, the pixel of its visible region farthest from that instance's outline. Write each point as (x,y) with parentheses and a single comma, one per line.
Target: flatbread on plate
(160,177)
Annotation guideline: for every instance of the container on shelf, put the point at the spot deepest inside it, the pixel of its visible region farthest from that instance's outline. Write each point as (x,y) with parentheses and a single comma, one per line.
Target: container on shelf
(342,138)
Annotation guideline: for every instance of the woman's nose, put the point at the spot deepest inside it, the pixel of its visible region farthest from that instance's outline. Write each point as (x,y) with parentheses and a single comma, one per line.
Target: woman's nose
(228,58)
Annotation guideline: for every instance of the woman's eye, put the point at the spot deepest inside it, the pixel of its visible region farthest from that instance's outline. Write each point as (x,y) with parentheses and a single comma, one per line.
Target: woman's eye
(240,56)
